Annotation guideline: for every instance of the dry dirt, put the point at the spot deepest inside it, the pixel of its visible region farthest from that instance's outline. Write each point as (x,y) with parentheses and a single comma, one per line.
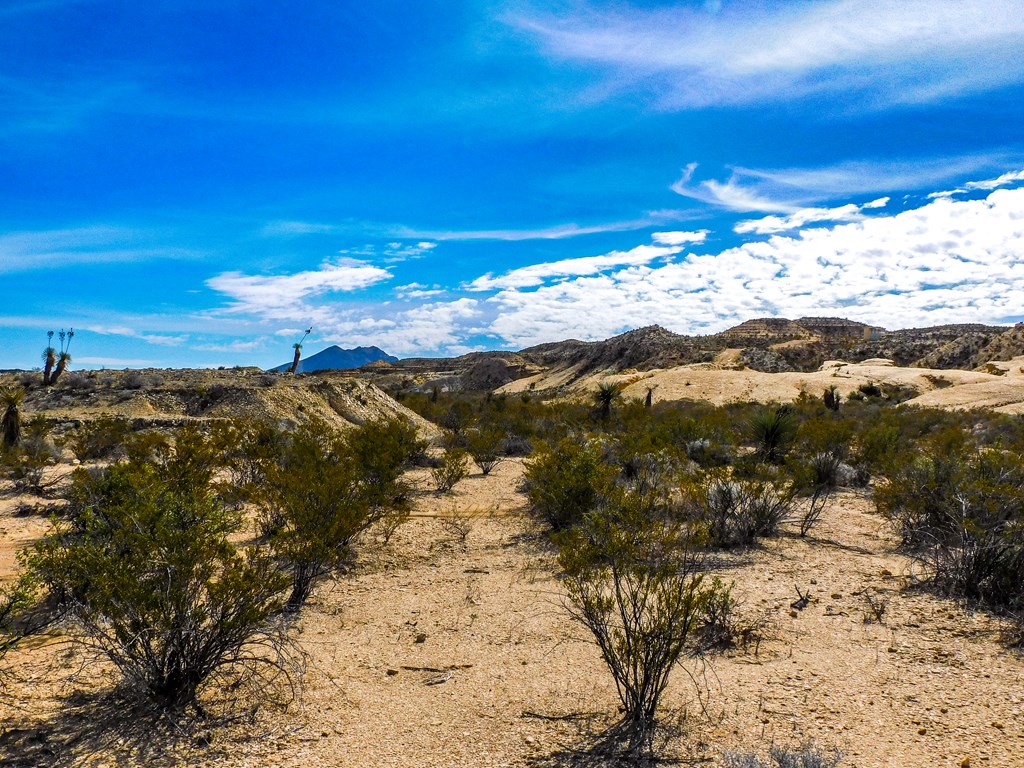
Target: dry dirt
(929,685)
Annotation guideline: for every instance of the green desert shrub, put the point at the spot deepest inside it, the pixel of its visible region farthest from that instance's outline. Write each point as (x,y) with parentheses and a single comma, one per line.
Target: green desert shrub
(148,572)
(735,512)
(248,450)
(16,600)
(919,492)
(484,445)
(325,490)
(633,578)
(454,467)
(567,479)
(25,464)
(382,450)
(101,438)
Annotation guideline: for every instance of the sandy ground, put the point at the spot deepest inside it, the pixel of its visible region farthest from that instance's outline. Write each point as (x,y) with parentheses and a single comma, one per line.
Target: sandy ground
(439,651)
(1001,391)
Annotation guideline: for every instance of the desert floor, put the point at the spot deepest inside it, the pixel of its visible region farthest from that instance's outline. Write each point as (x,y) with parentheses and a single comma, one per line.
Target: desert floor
(501,676)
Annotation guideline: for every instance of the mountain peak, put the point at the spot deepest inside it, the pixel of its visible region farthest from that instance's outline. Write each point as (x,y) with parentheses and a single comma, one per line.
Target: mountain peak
(337,358)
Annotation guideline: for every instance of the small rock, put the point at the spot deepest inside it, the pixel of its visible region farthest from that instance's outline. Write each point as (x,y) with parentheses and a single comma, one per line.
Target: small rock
(421,637)
(794,614)
(814,581)
(998,724)
(965,763)
(922,731)
(391,672)
(837,596)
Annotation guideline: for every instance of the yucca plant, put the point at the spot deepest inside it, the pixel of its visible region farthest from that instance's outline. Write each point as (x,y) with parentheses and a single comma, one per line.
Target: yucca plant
(773,431)
(62,359)
(297,346)
(10,426)
(605,397)
(62,363)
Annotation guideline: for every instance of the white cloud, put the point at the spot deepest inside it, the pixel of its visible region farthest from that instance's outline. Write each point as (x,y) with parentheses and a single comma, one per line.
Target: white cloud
(883,52)
(1001,181)
(679,238)
(947,261)
(730,194)
(788,190)
(426,236)
(537,274)
(163,340)
(804,216)
(281,295)
(418,291)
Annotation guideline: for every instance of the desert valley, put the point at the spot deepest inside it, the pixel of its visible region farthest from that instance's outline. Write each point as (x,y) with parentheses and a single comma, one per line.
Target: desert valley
(445,636)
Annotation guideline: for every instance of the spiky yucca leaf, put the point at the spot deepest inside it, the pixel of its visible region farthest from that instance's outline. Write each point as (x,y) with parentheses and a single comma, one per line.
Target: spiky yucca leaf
(62,363)
(49,360)
(10,424)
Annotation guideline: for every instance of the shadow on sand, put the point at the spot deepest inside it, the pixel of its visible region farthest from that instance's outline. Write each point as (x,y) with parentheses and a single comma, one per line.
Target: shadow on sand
(110,727)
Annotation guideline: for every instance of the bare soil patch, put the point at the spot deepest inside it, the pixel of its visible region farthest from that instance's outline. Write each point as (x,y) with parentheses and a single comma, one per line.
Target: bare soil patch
(435,651)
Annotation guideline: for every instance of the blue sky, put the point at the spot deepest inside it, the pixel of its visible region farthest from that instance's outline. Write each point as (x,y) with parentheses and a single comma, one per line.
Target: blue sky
(195,183)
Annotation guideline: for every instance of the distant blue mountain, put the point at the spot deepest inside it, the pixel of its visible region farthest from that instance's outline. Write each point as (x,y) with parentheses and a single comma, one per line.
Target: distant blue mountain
(335,357)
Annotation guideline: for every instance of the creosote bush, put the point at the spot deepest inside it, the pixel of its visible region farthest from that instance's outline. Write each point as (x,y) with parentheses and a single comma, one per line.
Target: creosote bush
(633,578)
(735,512)
(25,464)
(326,489)
(454,467)
(484,445)
(100,438)
(565,480)
(16,599)
(147,569)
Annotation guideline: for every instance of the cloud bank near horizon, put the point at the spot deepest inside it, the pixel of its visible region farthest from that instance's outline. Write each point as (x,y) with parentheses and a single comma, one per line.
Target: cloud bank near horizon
(948,260)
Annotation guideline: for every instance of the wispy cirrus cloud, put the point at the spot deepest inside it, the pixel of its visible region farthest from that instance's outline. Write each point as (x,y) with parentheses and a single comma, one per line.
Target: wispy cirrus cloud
(789,190)
(730,194)
(537,274)
(1003,180)
(405,232)
(43,249)
(875,51)
(283,295)
(160,339)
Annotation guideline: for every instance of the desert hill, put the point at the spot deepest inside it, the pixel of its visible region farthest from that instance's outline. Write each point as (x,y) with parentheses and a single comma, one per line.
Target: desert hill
(767,345)
(170,397)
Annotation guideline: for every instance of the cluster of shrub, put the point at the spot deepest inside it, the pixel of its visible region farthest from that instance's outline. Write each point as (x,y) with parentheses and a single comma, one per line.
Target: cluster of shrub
(637,492)
(154,562)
